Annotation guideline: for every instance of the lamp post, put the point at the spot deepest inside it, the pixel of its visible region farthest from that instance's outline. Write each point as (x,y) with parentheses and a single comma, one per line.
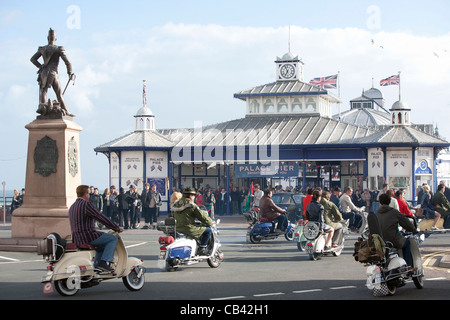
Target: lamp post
(4,201)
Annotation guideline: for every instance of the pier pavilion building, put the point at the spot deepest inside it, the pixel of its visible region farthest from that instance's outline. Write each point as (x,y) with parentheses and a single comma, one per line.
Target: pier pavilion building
(288,136)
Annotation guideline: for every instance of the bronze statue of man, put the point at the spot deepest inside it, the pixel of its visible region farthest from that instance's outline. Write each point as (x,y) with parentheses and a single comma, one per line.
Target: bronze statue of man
(48,74)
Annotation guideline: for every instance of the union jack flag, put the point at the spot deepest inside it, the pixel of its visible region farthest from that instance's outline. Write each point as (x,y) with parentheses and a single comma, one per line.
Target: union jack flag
(392,80)
(144,95)
(329,82)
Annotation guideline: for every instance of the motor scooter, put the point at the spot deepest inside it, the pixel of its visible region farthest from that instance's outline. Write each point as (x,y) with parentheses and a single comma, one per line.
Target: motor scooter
(71,268)
(299,237)
(316,239)
(178,249)
(263,229)
(387,270)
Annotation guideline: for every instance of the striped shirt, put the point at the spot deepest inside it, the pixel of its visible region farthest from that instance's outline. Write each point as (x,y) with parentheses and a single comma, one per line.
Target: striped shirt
(82,216)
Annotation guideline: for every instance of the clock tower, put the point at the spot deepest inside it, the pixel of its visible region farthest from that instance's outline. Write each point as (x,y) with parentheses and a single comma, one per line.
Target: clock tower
(289,68)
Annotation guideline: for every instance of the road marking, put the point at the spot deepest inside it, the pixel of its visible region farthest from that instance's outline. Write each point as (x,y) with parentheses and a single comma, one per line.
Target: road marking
(268,294)
(307,291)
(439,278)
(344,287)
(10,259)
(229,298)
(135,245)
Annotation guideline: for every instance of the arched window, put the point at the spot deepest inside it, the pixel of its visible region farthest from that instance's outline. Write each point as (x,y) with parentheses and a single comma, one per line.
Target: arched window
(268,106)
(310,105)
(254,107)
(283,106)
(296,105)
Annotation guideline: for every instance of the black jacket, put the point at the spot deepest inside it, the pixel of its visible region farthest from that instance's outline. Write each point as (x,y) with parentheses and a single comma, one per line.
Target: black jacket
(389,220)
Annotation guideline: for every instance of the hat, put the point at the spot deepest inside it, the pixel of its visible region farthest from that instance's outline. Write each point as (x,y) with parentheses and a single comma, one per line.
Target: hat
(189,191)
(131,186)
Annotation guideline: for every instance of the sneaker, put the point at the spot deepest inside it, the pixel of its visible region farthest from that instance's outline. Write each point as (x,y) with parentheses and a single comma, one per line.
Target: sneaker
(201,251)
(104,266)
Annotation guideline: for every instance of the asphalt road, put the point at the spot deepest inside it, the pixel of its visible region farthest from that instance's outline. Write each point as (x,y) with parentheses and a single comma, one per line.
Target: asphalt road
(270,271)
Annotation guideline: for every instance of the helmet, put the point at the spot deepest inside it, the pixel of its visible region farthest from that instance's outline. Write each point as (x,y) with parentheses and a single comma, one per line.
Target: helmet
(396,263)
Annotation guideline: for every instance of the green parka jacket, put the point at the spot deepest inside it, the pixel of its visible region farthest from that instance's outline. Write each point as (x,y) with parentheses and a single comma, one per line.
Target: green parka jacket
(185,212)
(331,213)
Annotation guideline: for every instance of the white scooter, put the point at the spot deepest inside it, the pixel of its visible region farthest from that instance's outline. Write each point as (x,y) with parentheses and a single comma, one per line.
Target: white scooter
(388,271)
(316,239)
(71,268)
(178,249)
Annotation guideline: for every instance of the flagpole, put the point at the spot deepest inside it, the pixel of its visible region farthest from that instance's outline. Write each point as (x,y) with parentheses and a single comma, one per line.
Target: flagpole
(399,91)
(144,94)
(339,93)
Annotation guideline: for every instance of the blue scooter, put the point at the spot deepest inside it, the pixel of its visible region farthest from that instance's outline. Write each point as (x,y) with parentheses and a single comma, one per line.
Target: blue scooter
(262,229)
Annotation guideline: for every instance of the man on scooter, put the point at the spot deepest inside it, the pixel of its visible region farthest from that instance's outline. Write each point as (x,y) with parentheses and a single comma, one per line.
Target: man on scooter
(185,211)
(82,216)
(272,212)
(389,219)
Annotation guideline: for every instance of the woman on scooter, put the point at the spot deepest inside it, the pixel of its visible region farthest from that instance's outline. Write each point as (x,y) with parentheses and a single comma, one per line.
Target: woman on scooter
(315,212)
(332,217)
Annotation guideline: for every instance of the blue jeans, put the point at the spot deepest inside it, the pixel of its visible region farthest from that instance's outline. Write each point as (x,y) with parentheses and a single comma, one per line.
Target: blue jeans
(204,238)
(106,245)
(282,222)
(407,256)
(355,219)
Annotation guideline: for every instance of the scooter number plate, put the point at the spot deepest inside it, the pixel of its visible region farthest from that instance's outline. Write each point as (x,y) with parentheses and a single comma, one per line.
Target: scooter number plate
(162,255)
(48,288)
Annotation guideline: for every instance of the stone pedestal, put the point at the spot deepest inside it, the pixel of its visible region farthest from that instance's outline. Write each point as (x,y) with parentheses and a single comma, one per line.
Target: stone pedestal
(53,173)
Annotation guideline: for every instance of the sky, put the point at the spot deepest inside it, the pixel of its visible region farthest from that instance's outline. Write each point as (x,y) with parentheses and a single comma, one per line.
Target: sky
(194,55)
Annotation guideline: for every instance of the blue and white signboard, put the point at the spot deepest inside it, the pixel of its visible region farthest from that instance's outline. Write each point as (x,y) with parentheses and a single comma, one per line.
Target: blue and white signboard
(274,169)
(423,167)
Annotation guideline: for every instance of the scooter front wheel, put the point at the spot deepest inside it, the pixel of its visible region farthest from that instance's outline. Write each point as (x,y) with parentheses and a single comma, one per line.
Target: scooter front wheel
(290,235)
(135,280)
(301,246)
(215,260)
(67,287)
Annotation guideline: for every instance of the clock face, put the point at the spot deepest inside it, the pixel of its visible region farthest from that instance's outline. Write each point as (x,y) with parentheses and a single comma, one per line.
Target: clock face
(287,71)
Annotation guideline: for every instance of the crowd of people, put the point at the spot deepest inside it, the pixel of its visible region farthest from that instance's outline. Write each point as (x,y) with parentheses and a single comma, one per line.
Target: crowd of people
(128,207)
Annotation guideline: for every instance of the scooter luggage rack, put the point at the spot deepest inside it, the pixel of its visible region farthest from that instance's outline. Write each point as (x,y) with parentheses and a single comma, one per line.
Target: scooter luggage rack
(167,226)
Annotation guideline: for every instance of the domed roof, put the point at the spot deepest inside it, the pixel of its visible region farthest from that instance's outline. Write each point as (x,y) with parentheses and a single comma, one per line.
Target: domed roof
(287,57)
(400,105)
(364,117)
(144,112)
(373,93)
